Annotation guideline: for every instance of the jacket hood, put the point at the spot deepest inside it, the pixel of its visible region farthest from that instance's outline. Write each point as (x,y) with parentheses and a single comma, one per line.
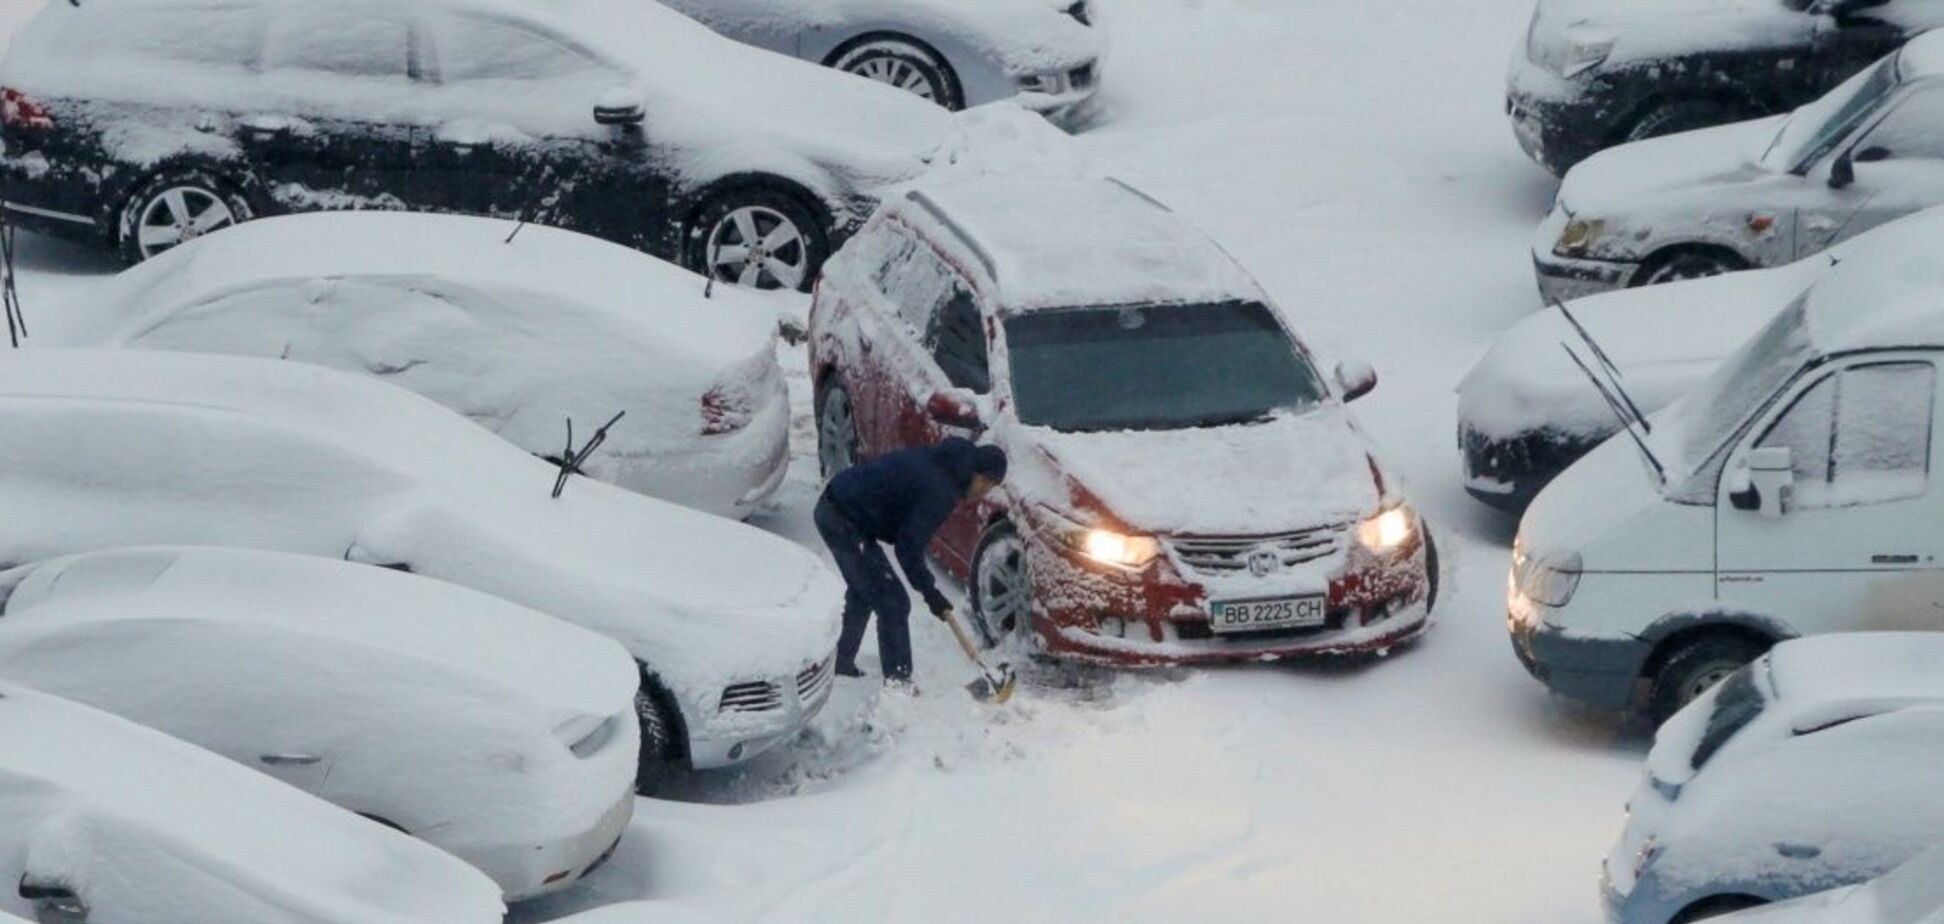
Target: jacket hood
(959,459)
(1619,180)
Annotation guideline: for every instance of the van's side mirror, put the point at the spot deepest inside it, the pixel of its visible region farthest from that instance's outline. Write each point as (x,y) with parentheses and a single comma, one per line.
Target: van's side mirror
(954,409)
(1842,171)
(1356,378)
(1771,476)
(54,902)
(1872,154)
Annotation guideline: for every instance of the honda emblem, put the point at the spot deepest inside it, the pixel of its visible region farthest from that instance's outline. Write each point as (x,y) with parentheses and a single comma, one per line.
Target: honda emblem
(1264,562)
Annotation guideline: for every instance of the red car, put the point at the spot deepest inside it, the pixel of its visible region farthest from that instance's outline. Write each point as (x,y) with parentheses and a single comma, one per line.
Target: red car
(1186,485)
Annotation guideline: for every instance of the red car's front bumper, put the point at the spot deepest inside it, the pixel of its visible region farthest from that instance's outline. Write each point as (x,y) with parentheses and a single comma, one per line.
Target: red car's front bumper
(1161,613)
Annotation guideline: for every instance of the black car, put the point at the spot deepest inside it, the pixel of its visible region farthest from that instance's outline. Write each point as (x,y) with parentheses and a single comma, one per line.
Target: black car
(1596,73)
(138,124)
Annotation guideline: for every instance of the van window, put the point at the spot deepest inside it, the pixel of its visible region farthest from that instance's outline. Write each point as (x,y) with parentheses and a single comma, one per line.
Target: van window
(476,48)
(352,40)
(957,342)
(1860,436)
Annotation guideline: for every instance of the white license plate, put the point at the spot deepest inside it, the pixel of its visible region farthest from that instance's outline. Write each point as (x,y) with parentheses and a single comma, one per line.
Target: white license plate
(1259,615)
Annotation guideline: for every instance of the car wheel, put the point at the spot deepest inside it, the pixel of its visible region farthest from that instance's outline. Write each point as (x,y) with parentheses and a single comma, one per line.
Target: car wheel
(175,208)
(1716,907)
(1688,263)
(1695,668)
(1431,572)
(1002,589)
(656,714)
(758,237)
(837,446)
(906,65)
(1682,116)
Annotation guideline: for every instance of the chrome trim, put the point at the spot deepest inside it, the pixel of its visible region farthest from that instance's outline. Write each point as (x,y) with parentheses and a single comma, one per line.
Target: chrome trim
(50,213)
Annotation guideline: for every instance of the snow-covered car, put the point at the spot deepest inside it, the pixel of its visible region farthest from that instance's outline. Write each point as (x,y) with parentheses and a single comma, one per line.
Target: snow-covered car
(139,124)
(1910,894)
(102,820)
(1791,493)
(500,735)
(736,629)
(1591,74)
(1043,54)
(1815,767)
(1753,194)
(519,332)
(1186,484)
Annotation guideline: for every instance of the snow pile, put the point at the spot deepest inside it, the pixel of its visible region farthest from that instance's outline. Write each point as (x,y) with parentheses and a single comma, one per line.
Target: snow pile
(1005,140)
(518,336)
(138,824)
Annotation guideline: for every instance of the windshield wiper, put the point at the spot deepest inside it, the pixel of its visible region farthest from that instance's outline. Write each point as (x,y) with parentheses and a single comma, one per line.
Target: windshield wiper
(1613,370)
(1619,411)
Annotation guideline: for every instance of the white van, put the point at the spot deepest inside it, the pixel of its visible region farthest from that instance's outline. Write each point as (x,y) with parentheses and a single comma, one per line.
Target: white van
(1791,493)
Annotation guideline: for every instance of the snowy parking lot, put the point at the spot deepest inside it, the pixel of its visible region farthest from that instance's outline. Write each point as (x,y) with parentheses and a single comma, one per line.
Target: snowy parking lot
(1354,156)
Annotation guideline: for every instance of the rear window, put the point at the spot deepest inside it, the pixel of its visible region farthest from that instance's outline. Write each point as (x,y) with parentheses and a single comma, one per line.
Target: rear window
(214,33)
(1738,704)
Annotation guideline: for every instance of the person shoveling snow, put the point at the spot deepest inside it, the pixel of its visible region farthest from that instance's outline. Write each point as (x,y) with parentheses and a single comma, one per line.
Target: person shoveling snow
(902,499)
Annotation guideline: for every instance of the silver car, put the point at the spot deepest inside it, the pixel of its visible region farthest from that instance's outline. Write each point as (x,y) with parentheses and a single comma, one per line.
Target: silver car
(1043,54)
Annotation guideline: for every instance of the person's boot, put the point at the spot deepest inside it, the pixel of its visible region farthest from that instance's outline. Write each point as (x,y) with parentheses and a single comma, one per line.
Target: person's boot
(848,670)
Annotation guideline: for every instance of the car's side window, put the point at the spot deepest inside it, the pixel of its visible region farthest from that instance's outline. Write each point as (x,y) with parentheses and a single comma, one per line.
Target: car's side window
(479,48)
(358,40)
(1915,129)
(221,33)
(1860,436)
(957,341)
(916,285)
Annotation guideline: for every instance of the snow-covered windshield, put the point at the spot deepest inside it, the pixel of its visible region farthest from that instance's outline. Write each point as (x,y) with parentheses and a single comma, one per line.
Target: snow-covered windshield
(1814,129)
(1716,408)
(1157,367)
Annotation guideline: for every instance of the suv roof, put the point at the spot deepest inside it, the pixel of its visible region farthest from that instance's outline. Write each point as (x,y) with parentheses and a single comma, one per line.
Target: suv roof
(1068,242)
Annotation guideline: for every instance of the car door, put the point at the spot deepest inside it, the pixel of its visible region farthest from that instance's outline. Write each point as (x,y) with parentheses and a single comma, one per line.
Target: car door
(516,135)
(909,285)
(1857,545)
(1898,164)
(957,366)
(342,107)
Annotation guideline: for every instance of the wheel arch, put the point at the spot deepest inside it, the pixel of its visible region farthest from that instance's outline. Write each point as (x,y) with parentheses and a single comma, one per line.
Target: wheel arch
(1734,102)
(118,197)
(1673,632)
(1715,905)
(1669,251)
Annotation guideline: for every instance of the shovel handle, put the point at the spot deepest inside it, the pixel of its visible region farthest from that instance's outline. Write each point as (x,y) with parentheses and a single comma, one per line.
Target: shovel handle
(965,641)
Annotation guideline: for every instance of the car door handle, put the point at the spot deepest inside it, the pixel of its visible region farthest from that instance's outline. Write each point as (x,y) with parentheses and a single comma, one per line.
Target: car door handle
(262,128)
(290,760)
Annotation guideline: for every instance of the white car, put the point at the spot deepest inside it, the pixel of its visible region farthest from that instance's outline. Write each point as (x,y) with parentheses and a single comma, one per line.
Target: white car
(1789,494)
(517,331)
(500,735)
(1043,54)
(736,628)
(104,821)
(1753,194)
(1813,768)
(1910,894)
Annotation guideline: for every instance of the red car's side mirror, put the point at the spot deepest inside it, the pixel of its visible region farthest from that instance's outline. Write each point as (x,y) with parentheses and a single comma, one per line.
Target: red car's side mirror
(953,410)
(1356,379)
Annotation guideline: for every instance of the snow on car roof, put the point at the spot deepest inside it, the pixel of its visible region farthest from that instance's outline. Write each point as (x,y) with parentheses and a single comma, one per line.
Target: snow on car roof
(508,647)
(1858,666)
(1056,242)
(1890,294)
(99,792)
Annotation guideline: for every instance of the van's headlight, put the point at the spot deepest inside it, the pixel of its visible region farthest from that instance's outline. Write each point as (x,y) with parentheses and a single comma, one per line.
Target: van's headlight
(1101,545)
(1578,237)
(1549,581)
(1388,530)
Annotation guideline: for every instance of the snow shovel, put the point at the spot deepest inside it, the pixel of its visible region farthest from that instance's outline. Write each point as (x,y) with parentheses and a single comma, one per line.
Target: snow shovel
(993,686)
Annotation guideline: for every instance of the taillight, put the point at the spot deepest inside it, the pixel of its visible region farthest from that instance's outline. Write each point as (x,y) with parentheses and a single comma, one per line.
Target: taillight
(17,110)
(727,409)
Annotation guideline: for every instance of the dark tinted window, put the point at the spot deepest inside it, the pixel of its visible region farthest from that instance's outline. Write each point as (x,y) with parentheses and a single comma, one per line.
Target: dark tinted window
(1739,703)
(1156,367)
(957,342)
(473,48)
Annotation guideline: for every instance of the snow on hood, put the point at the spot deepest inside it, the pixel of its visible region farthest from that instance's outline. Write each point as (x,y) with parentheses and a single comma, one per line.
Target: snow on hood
(1622,180)
(1297,471)
(133,820)
(1858,666)
(499,649)
(308,460)
(1656,29)
(1664,338)
(1598,493)
(516,336)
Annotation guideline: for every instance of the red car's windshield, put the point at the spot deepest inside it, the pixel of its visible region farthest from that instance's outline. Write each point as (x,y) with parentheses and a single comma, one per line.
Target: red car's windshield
(1156,367)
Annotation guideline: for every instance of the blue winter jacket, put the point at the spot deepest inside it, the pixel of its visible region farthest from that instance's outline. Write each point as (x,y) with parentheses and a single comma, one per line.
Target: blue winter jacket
(902,498)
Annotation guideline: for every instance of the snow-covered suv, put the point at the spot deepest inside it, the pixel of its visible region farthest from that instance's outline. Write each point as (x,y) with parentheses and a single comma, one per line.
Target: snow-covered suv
(138,124)
(1187,485)
(1043,54)
(1751,194)
(1591,74)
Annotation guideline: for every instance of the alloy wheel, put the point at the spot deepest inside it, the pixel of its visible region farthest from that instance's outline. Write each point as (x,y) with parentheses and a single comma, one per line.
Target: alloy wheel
(896,71)
(178,215)
(1005,591)
(758,247)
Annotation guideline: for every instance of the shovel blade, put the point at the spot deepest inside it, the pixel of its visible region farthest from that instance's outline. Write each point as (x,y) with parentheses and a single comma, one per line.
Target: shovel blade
(995,687)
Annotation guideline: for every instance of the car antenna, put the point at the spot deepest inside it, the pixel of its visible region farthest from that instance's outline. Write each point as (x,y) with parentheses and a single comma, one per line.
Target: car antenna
(1613,371)
(9,293)
(571,460)
(1626,423)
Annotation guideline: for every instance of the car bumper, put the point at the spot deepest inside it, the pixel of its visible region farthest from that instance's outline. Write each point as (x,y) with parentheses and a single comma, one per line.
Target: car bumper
(1508,472)
(1598,669)
(731,737)
(529,871)
(1056,92)
(1562,279)
(1554,120)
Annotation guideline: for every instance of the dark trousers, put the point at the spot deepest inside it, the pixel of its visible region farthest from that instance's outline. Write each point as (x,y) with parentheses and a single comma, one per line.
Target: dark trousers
(870,586)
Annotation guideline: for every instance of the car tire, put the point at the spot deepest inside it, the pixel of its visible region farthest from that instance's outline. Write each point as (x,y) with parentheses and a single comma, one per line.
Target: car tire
(655,710)
(837,443)
(1687,263)
(1432,575)
(905,64)
(1694,668)
(175,207)
(760,237)
(1001,590)
(1679,116)
(1716,907)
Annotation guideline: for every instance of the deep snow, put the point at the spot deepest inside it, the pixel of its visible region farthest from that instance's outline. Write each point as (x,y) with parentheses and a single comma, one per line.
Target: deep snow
(1355,157)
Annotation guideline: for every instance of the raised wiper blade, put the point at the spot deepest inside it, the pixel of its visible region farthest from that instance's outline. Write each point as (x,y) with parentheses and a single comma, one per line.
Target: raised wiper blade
(1626,423)
(1613,370)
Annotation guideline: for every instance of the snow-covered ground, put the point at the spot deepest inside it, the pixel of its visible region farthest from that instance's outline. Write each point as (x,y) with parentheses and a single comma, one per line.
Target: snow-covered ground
(1355,155)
